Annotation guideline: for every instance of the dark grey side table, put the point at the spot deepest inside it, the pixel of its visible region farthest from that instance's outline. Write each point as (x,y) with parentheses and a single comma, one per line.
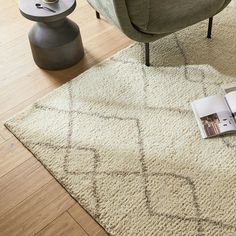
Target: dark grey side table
(55,40)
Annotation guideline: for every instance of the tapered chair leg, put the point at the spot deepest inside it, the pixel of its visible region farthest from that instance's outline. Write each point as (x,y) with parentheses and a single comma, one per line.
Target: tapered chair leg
(147,54)
(97,14)
(209,27)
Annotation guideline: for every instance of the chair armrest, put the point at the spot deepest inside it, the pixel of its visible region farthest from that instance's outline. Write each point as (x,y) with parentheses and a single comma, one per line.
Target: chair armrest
(116,12)
(107,9)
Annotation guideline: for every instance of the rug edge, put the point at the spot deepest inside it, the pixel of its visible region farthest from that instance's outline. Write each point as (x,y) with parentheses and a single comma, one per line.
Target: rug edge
(57,180)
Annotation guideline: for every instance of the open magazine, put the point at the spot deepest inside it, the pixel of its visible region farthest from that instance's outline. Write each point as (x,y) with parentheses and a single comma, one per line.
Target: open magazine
(216,115)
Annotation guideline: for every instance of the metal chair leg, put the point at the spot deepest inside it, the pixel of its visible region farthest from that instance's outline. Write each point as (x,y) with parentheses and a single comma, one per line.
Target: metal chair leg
(147,54)
(97,14)
(209,27)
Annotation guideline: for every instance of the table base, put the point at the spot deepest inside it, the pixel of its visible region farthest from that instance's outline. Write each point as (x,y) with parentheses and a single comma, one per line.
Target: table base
(56,45)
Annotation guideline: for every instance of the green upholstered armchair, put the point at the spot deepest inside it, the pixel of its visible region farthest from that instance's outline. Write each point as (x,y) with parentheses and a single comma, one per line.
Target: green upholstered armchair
(148,20)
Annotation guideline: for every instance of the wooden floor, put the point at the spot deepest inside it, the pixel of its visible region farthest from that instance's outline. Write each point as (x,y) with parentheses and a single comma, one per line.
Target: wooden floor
(31,201)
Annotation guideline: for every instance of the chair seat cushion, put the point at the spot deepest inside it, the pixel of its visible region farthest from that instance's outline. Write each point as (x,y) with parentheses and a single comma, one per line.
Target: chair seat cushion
(166,16)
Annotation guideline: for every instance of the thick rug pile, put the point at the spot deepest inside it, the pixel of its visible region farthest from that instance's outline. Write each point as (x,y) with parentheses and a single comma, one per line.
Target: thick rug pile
(123,141)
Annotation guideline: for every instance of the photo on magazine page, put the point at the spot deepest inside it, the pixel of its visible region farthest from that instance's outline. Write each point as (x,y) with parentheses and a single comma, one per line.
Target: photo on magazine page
(213,115)
(217,123)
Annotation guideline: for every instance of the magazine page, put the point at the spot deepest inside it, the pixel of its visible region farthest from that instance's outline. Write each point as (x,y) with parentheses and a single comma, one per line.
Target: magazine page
(230,91)
(213,116)
(230,87)
(231,100)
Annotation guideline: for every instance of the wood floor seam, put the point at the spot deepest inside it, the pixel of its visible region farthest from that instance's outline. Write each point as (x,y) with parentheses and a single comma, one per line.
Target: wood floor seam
(49,223)
(77,221)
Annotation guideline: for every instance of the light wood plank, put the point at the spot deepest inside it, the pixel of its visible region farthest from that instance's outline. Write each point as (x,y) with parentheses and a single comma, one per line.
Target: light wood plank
(1,139)
(101,233)
(12,154)
(86,221)
(64,225)
(36,212)
(9,113)
(7,4)
(4,132)
(21,182)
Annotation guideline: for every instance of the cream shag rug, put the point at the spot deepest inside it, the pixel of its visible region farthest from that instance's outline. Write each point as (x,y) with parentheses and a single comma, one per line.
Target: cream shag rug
(123,141)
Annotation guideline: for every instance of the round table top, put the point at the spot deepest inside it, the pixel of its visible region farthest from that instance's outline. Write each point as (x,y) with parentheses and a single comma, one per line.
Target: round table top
(62,9)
